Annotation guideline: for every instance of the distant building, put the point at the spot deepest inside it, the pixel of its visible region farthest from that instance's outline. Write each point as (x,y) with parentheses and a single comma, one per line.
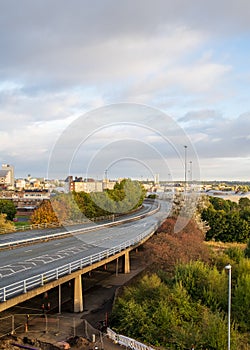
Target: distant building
(87,185)
(108,185)
(7,175)
(157,179)
(3,177)
(20,184)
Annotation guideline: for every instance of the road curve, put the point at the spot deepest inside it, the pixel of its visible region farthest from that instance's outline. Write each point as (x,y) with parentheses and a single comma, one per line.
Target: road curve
(30,262)
(31,236)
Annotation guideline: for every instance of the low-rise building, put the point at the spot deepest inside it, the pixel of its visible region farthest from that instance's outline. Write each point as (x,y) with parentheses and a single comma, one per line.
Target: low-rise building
(87,185)
(7,176)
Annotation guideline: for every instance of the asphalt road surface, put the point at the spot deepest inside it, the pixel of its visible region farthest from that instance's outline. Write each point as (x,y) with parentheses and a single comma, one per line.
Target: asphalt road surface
(24,262)
(25,235)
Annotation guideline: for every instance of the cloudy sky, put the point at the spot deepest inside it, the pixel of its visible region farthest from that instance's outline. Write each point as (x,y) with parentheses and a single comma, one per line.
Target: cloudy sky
(93,86)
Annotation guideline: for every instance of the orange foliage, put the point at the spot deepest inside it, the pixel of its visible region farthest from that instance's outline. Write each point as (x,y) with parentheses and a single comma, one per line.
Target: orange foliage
(44,214)
(167,248)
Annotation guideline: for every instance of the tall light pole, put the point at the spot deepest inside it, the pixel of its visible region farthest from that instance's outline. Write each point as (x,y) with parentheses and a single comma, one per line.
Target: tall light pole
(191,170)
(229,268)
(185,167)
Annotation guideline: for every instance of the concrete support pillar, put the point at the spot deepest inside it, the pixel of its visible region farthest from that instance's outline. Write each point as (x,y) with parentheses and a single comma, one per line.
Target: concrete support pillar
(126,263)
(117,267)
(59,298)
(78,299)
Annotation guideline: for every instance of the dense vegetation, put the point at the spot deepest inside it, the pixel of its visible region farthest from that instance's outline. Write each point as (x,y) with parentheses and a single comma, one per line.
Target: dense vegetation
(8,207)
(227,220)
(7,213)
(126,196)
(182,298)
(5,225)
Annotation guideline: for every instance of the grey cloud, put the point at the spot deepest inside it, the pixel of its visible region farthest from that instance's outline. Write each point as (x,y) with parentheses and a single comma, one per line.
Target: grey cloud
(221,137)
(119,49)
(47,41)
(195,116)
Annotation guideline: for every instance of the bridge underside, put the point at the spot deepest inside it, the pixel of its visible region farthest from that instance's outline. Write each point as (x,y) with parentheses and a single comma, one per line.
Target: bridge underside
(76,276)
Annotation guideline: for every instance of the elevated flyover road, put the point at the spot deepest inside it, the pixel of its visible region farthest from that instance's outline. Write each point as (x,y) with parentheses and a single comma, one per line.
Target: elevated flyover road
(38,266)
(32,236)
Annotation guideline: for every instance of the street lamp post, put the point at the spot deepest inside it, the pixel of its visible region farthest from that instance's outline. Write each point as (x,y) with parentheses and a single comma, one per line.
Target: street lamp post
(191,171)
(229,268)
(185,168)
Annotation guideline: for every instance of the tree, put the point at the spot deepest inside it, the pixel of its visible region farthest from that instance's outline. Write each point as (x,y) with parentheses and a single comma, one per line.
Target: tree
(8,207)
(66,208)
(125,197)
(245,214)
(235,253)
(220,204)
(166,249)
(217,223)
(244,203)
(241,295)
(247,250)
(44,214)
(227,222)
(165,315)
(237,228)
(5,225)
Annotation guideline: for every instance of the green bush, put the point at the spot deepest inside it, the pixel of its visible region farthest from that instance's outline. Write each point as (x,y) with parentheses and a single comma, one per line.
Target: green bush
(235,253)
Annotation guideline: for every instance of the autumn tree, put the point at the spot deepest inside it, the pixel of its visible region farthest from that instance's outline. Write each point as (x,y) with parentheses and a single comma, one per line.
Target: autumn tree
(166,248)
(44,214)
(5,225)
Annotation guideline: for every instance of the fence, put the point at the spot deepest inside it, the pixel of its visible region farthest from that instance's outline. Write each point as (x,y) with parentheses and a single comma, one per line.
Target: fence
(64,327)
(58,325)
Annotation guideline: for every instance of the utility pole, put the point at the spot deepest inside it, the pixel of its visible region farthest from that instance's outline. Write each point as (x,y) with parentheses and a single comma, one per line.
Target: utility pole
(191,171)
(185,167)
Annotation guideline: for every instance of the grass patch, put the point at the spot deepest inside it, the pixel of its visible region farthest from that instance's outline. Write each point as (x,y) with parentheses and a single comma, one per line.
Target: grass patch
(221,246)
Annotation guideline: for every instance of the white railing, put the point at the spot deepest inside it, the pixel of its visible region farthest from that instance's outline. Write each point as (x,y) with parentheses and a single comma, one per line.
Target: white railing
(86,229)
(126,341)
(23,286)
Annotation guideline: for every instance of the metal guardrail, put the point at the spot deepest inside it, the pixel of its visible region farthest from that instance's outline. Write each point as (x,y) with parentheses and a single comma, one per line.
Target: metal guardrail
(55,224)
(86,229)
(36,281)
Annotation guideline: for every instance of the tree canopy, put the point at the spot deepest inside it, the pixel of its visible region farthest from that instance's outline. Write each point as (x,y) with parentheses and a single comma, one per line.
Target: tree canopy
(126,196)
(44,214)
(5,225)
(8,207)
(227,220)
(186,305)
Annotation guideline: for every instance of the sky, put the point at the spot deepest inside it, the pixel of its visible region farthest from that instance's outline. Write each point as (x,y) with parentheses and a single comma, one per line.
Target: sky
(118,88)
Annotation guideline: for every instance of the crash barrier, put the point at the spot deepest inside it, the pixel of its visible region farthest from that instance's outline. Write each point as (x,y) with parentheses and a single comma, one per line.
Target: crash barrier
(126,341)
(23,286)
(64,233)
